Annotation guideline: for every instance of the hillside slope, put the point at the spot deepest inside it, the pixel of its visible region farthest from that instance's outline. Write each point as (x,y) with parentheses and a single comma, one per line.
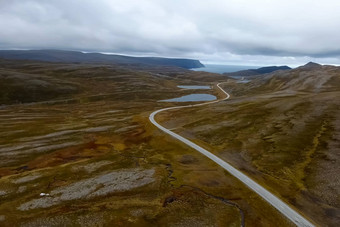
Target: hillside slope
(311,77)
(79,57)
(282,129)
(98,157)
(259,71)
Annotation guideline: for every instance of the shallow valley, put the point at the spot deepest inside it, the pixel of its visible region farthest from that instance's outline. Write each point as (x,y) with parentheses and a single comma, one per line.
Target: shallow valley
(77,148)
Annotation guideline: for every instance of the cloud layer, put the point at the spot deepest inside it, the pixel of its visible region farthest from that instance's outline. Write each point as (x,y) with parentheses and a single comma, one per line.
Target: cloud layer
(224,31)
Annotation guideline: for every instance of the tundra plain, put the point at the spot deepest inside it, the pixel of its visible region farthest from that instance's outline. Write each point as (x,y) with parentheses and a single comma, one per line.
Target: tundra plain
(79,133)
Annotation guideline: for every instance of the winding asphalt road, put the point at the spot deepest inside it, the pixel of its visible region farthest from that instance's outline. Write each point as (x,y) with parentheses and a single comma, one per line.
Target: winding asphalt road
(286,210)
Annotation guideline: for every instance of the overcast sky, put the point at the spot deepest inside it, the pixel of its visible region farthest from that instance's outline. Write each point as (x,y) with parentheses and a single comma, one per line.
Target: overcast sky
(249,32)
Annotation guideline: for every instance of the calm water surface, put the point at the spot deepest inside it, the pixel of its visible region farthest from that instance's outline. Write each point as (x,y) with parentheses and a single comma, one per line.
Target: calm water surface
(192,98)
(193,87)
(243,81)
(224,68)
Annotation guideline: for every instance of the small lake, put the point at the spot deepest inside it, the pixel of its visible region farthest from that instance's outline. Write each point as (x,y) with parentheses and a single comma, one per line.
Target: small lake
(243,81)
(192,98)
(193,87)
(224,68)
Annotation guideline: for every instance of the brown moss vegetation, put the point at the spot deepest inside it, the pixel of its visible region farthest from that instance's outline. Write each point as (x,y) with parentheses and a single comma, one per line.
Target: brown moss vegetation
(288,140)
(103,130)
(285,141)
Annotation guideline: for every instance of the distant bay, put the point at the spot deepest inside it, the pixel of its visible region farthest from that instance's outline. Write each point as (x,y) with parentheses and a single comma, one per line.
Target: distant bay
(224,68)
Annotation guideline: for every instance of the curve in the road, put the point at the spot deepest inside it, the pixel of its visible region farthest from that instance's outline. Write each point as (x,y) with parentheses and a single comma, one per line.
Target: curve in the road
(286,210)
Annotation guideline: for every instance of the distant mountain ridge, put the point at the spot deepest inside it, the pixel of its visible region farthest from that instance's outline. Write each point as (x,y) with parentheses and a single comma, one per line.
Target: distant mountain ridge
(259,71)
(311,65)
(311,77)
(79,57)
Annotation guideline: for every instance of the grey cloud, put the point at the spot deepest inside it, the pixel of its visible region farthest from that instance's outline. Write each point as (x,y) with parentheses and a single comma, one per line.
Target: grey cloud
(211,30)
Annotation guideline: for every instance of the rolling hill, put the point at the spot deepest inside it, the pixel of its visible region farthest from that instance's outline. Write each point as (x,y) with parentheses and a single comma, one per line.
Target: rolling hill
(259,71)
(80,57)
(282,128)
(311,77)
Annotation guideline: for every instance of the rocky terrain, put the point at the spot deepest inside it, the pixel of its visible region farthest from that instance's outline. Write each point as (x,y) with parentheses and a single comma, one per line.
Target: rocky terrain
(91,157)
(77,148)
(282,129)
